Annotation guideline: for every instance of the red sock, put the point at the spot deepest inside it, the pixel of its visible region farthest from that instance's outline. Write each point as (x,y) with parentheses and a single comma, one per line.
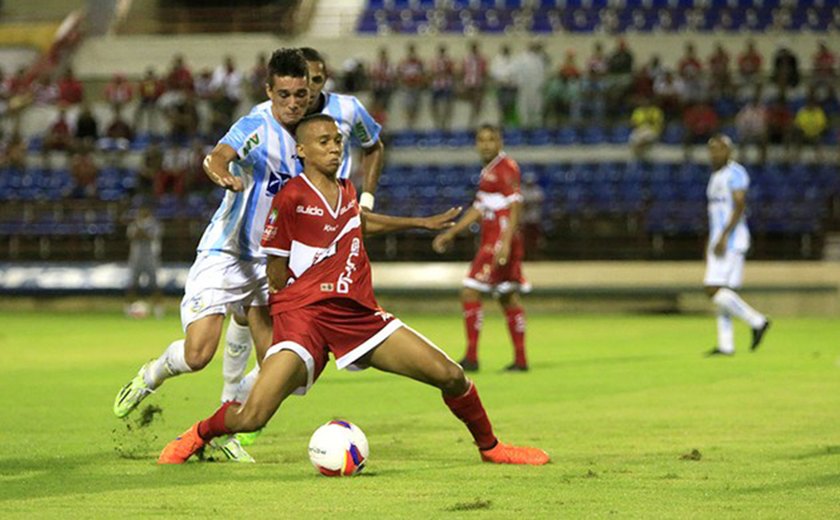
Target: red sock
(516,326)
(214,426)
(469,409)
(473,317)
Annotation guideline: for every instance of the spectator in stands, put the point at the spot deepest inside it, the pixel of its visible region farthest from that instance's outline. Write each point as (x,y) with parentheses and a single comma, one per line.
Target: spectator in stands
(443,88)
(197,180)
(172,175)
(149,169)
(569,68)
(648,121)
(59,137)
(149,91)
(556,99)
(180,77)
(84,171)
(118,92)
(689,64)
(721,79)
(70,89)
(119,134)
(144,234)
(227,87)
(700,123)
(383,82)
(16,84)
(531,221)
(412,75)
(14,152)
(669,91)
(5,94)
(620,75)
(824,73)
(504,77)
(641,87)
(780,123)
(749,65)
(751,125)
(256,79)
(785,68)
(474,82)
(353,75)
(87,127)
(183,118)
(44,91)
(530,78)
(810,126)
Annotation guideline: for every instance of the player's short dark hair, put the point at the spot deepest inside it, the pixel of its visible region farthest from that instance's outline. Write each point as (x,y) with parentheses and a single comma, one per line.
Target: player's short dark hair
(311,54)
(488,127)
(311,118)
(286,62)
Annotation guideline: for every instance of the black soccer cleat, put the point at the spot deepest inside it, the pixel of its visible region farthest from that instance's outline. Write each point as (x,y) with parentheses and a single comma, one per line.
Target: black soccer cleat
(758,335)
(717,352)
(513,367)
(469,366)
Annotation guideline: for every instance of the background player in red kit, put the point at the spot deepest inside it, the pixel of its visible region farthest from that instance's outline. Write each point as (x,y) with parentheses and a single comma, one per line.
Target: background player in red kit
(497,266)
(322,301)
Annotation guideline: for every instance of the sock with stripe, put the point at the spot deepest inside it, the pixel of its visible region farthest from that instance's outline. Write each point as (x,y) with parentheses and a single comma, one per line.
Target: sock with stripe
(516,326)
(469,409)
(473,319)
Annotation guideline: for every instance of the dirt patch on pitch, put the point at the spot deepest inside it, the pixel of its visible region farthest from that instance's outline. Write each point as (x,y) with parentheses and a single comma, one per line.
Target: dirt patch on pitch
(134,439)
(475,505)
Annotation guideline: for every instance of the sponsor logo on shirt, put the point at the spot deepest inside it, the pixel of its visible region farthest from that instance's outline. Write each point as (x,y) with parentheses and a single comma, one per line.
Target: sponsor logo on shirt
(350,205)
(327,287)
(361,132)
(251,142)
(268,233)
(276,180)
(314,211)
(330,229)
(345,280)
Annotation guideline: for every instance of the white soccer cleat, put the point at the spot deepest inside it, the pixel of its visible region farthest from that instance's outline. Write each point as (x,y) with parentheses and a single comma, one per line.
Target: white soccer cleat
(227,448)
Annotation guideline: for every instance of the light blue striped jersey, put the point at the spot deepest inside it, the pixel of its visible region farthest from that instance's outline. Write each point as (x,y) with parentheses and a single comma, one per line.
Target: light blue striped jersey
(357,127)
(732,177)
(266,159)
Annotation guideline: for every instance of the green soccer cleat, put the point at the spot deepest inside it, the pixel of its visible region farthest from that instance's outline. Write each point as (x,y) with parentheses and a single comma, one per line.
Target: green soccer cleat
(247,439)
(132,394)
(227,448)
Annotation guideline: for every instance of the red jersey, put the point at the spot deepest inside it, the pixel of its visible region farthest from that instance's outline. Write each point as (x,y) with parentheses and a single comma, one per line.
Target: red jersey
(327,257)
(498,189)
(474,70)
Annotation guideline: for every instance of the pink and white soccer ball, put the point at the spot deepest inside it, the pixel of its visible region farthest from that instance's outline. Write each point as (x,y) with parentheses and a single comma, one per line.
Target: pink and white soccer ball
(338,449)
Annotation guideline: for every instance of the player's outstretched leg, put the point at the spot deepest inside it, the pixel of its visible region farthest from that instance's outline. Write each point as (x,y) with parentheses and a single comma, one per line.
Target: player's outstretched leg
(473,320)
(515,315)
(280,375)
(180,357)
(730,302)
(408,353)
(236,354)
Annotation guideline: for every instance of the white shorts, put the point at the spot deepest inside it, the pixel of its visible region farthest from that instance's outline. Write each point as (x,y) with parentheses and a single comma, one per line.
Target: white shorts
(219,283)
(724,271)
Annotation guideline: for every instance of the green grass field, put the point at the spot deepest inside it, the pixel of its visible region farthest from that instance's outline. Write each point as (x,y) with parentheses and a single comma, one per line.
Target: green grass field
(620,402)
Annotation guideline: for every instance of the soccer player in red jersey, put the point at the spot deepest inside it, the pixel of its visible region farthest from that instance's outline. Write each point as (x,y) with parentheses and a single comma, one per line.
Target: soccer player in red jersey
(497,266)
(322,302)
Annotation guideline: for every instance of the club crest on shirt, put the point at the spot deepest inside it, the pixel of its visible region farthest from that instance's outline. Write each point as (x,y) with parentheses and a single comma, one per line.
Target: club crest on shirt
(272,217)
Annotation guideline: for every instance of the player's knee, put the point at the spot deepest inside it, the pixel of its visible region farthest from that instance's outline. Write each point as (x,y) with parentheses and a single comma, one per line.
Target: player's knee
(470,295)
(452,380)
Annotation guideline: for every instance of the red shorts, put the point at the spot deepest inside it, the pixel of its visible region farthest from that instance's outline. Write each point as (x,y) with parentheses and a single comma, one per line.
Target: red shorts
(504,279)
(341,326)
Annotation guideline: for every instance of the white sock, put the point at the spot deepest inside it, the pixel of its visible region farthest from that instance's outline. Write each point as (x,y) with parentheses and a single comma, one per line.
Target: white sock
(246,385)
(727,300)
(171,363)
(237,351)
(725,333)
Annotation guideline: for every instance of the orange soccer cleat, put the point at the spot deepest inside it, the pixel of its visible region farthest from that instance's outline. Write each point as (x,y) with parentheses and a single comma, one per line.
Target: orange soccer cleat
(183,447)
(507,454)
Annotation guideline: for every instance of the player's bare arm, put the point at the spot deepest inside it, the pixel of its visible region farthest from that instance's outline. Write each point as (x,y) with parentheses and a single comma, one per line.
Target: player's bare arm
(277,269)
(503,252)
(373,157)
(374,223)
(739,199)
(216,167)
(442,241)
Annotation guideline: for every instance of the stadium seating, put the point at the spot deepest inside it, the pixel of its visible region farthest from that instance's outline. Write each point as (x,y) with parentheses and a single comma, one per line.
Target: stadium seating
(584,16)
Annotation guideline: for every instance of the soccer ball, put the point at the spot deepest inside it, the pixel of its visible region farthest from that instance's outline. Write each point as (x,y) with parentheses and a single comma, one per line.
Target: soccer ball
(338,449)
(137,310)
